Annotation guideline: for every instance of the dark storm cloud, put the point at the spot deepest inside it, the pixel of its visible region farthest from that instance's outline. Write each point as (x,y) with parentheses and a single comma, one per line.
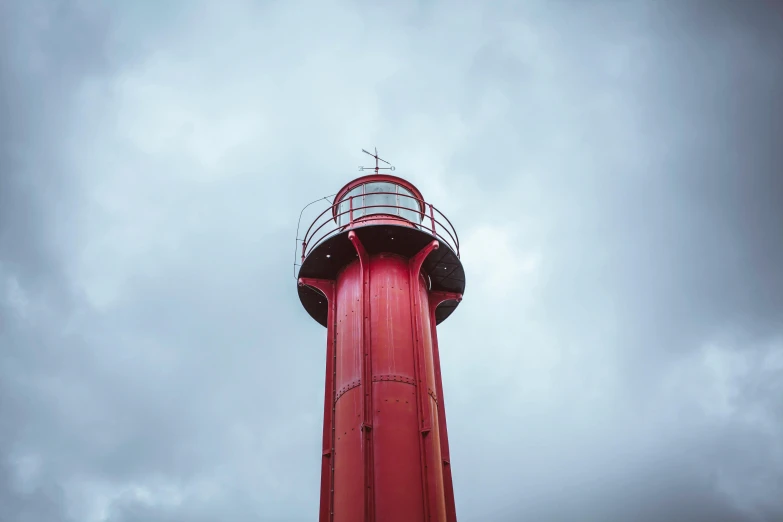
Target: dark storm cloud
(178,379)
(678,242)
(694,223)
(718,212)
(45,50)
(102,403)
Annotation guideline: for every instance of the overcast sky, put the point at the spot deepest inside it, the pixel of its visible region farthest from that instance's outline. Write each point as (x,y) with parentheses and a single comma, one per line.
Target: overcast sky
(615,171)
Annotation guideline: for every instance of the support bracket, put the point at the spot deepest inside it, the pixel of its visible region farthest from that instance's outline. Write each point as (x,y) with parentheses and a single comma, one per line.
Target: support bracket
(438,296)
(418,260)
(420,369)
(325,286)
(366,378)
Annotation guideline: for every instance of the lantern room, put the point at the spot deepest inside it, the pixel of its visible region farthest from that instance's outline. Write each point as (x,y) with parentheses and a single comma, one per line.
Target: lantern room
(378,196)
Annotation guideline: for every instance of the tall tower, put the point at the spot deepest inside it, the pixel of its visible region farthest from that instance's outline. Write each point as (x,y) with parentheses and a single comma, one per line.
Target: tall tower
(379,269)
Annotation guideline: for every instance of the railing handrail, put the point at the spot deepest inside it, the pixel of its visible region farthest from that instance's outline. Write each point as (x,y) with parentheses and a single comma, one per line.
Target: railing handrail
(308,242)
(338,227)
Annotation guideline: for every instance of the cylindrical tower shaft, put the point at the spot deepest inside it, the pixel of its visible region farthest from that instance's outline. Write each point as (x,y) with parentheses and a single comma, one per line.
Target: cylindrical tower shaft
(385,442)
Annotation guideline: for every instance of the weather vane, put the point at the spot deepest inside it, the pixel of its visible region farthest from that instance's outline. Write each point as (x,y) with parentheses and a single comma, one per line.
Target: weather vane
(377,167)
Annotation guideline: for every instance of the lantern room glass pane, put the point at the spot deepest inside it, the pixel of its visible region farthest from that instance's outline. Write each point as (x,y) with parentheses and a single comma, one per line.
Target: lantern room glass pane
(380,194)
(401,202)
(409,201)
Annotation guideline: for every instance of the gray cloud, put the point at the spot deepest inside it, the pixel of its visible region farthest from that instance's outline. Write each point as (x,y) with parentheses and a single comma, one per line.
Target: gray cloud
(614,175)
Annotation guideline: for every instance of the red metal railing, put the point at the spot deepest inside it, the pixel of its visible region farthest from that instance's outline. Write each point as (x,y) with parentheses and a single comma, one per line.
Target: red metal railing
(331,221)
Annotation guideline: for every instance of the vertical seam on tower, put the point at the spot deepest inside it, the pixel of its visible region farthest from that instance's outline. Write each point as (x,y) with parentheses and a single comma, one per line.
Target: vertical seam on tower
(334,401)
(414,269)
(443,437)
(366,377)
(413,277)
(327,288)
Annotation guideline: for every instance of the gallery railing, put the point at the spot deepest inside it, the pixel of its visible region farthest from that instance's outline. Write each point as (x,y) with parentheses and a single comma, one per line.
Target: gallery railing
(332,220)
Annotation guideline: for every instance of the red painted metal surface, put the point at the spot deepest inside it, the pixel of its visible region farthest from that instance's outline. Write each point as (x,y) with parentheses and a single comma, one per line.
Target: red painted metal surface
(385,444)
(448,487)
(327,478)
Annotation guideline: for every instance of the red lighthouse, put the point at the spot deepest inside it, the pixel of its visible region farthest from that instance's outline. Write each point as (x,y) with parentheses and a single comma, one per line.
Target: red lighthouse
(380,269)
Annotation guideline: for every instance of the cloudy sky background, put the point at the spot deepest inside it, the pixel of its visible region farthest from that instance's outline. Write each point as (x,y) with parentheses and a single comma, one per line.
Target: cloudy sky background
(613,168)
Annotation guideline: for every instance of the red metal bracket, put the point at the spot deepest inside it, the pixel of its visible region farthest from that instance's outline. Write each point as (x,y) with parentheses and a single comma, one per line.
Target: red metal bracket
(436,298)
(418,260)
(414,265)
(363,257)
(327,288)
(422,401)
(366,378)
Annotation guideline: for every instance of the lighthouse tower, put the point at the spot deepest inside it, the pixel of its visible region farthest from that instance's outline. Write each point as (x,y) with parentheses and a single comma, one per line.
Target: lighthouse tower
(380,269)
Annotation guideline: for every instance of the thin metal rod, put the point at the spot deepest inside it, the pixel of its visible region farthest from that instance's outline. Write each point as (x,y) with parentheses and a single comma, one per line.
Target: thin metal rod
(299,222)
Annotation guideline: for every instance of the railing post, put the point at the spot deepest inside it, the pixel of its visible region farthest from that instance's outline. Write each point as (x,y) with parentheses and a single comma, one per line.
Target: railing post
(350,205)
(432,218)
(304,245)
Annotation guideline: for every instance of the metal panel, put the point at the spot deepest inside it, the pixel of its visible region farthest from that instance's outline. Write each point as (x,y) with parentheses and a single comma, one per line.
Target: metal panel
(349,326)
(348,476)
(391,319)
(398,488)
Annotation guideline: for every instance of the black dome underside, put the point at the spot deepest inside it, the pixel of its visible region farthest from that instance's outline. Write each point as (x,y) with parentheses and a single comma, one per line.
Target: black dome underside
(442,265)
